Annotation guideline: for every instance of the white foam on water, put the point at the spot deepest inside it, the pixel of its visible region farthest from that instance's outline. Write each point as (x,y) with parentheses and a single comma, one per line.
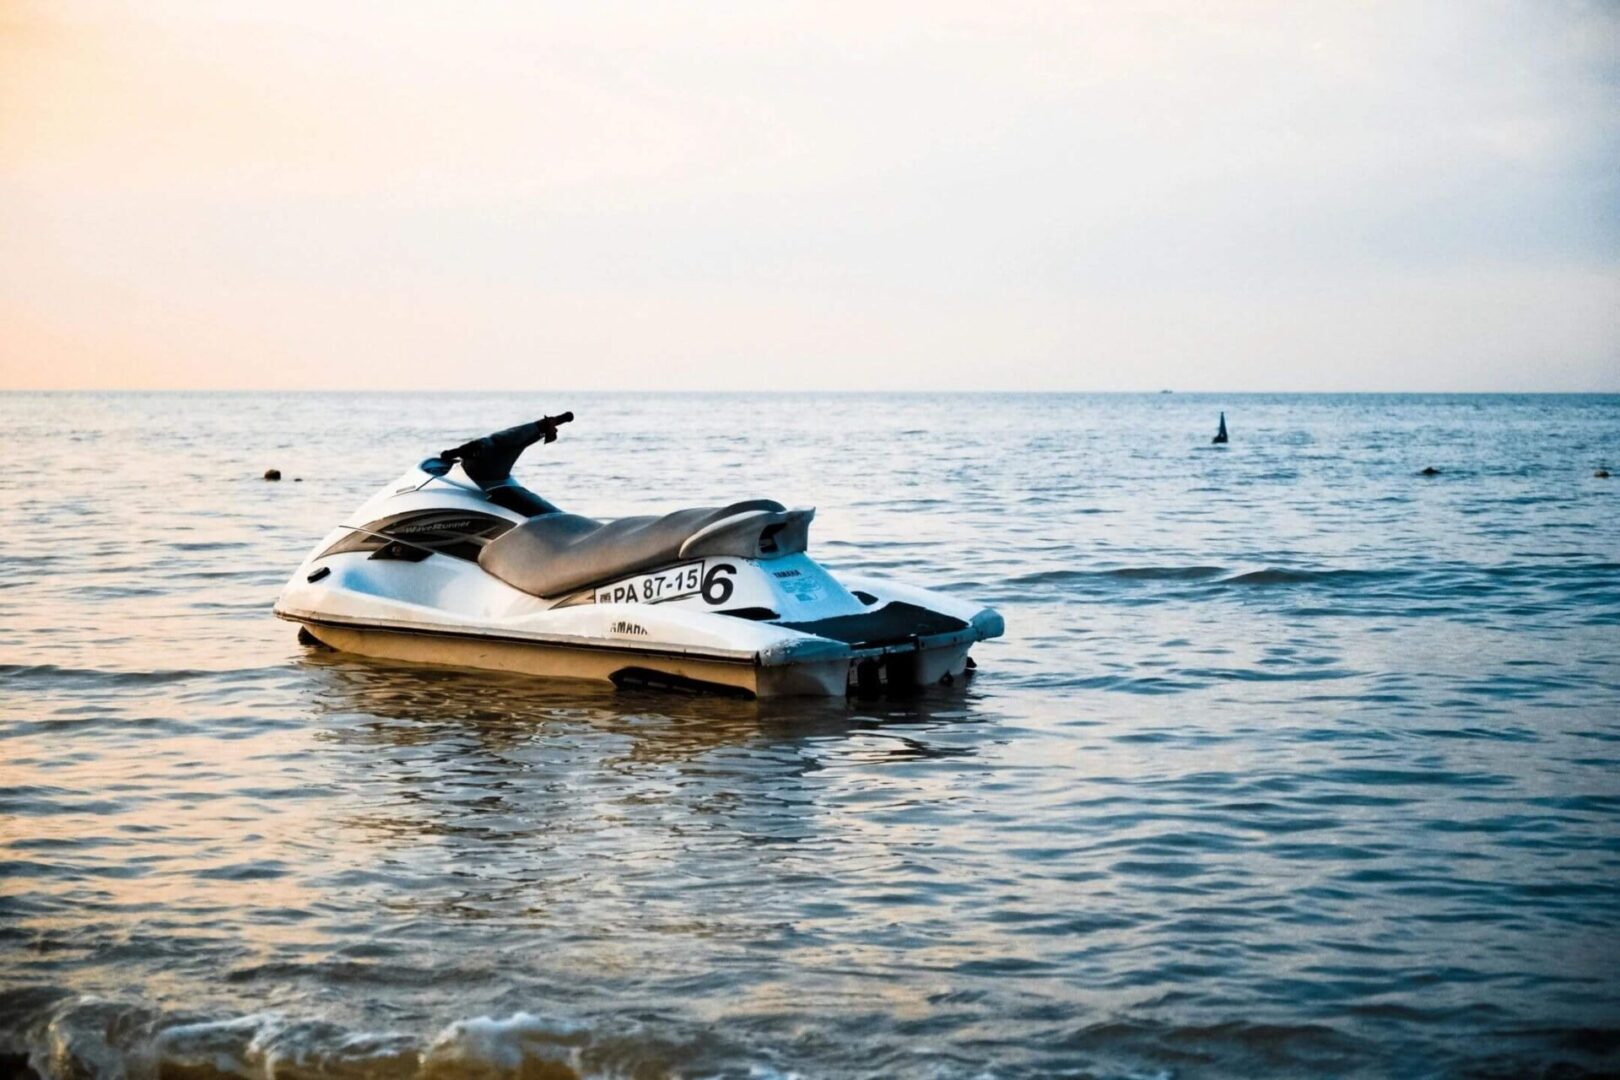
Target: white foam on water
(225,1046)
(90,1037)
(522,1043)
(766,1072)
(101,1039)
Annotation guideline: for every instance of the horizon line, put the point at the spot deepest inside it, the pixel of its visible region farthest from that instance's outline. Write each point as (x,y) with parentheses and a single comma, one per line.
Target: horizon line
(688,392)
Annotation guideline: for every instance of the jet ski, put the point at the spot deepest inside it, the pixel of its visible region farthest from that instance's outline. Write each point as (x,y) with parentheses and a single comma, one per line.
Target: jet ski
(456,563)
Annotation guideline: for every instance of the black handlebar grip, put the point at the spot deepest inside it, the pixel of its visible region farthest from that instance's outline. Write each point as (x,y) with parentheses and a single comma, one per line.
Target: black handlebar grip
(548,425)
(489,460)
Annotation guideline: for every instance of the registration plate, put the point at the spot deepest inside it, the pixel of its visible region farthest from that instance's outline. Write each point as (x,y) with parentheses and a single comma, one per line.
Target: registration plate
(667,584)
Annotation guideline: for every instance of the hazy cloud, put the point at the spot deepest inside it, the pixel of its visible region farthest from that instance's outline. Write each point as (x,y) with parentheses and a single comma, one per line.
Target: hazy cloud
(1105,196)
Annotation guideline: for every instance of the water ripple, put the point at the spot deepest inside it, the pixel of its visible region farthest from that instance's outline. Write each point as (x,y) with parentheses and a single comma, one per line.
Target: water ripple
(1292,763)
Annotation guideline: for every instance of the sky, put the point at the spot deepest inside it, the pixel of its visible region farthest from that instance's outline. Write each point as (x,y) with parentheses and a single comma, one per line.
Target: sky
(864,196)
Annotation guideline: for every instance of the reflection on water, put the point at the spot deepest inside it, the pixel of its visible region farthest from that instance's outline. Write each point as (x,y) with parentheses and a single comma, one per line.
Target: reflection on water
(463,757)
(1293,762)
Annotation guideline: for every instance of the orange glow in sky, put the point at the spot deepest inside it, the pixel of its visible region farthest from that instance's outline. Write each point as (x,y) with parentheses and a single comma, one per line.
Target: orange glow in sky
(828,196)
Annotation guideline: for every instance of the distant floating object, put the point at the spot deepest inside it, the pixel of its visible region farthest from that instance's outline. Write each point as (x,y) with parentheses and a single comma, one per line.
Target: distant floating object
(1166,391)
(272,474)
(1220,436)
(1602,474)
(1429,470)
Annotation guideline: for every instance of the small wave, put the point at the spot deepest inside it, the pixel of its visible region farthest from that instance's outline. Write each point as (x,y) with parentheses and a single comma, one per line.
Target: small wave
(1165,573)
(19,674)
(1219,575)
(68,1036)
(206,545)
(265,1044)
(1281,576)
(1301,1048)
(521,1044)
(1125,573)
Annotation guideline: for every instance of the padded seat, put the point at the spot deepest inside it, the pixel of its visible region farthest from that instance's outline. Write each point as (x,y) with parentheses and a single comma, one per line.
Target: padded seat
(553,554)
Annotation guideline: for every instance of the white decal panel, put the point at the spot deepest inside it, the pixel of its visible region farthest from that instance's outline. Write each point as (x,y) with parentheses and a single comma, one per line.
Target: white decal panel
(670,583)
(801,586)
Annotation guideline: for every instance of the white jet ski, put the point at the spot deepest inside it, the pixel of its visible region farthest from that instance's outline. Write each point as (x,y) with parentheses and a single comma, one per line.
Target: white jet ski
(456,563)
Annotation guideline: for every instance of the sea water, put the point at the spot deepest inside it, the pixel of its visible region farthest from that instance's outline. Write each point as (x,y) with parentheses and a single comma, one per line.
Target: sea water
(1293,761)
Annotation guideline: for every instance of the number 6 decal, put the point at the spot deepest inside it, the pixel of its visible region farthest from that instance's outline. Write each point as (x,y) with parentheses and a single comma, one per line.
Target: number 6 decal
(717,589)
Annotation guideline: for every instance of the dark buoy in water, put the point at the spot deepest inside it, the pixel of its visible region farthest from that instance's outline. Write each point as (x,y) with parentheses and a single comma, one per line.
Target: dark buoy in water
(1429,470)
(272,474)
(1220,435)
(1602,474)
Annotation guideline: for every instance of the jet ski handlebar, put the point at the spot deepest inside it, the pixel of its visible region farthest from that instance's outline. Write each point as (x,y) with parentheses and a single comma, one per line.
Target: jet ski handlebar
(489,460)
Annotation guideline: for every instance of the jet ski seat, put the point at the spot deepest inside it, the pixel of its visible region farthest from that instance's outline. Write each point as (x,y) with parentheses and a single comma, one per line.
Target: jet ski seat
(557,553)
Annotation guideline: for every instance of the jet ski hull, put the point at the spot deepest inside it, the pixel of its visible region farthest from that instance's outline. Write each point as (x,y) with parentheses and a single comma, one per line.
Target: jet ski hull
(894,670)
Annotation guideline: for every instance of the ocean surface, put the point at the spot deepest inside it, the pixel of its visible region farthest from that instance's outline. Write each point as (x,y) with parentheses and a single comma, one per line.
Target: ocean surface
(1293,762)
